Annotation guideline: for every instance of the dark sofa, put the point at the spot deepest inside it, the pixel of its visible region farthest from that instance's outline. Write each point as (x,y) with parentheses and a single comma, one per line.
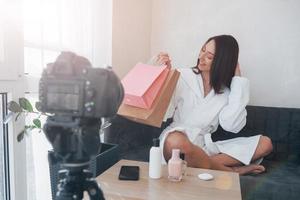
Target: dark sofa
(282,125)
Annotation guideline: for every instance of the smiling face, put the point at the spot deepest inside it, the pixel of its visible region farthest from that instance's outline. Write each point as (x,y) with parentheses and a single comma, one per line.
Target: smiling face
(206,56)
(218,58)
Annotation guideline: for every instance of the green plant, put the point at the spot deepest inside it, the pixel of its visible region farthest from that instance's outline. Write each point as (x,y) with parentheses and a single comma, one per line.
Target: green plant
(24,107)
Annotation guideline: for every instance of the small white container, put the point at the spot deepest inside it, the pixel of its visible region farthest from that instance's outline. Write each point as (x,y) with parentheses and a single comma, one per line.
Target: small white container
(155,160)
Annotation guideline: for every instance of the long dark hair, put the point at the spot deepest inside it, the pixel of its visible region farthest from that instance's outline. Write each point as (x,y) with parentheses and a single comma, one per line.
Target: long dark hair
(224,62)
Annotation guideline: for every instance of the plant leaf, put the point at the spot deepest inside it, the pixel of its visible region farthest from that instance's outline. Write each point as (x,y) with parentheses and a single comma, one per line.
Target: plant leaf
(38,106)
(32,127)
(25,104)
(37,123)
(29,127)
(18,115)
(21,135)
(14,107)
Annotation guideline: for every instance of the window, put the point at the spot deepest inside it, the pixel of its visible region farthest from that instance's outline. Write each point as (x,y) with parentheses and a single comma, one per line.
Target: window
(1,32)
(4,152)
(52,26)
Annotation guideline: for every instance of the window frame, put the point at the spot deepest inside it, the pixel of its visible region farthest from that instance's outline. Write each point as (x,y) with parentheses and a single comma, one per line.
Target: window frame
(7,168)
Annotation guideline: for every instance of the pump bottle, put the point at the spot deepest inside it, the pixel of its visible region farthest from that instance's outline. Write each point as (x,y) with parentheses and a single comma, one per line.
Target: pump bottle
(155,160)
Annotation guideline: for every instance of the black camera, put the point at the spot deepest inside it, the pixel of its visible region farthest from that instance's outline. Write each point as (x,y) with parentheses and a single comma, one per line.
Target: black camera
(77,96)
(71,87)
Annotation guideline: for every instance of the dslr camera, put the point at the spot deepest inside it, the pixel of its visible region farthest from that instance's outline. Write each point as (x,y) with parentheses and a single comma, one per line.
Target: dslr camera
(71,87)
(77,96)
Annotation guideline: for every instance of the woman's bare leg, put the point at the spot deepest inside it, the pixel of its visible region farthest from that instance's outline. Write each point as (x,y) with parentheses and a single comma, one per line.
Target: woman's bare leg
(264,148)
(196,157)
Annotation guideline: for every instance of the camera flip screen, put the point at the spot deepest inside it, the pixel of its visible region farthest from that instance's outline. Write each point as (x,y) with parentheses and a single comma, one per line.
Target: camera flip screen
(63,97)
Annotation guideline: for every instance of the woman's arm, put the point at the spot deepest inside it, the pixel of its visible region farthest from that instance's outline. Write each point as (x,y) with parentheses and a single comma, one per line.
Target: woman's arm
(232,117)
(163,59)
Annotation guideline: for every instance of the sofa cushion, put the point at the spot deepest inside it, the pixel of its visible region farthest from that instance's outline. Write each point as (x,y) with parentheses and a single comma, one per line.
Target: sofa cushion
(282,125)
(281,181)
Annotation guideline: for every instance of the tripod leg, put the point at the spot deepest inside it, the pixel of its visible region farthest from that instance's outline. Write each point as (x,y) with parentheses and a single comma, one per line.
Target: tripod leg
(94,190)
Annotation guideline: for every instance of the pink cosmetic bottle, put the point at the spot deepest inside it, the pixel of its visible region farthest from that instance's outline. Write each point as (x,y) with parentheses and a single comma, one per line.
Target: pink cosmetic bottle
(175,166)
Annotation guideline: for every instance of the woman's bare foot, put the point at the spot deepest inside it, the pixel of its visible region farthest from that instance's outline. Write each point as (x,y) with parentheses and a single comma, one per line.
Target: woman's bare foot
(249,169)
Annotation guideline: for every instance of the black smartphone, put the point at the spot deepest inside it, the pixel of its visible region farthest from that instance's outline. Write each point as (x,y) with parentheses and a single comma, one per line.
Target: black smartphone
(131,173)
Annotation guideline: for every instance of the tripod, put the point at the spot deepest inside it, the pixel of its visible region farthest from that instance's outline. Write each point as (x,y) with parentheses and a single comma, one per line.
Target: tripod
(74,142)
(75,180)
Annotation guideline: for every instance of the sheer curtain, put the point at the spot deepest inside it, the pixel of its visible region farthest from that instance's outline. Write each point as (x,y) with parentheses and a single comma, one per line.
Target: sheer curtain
(1,31)
(52,26)
(81,26)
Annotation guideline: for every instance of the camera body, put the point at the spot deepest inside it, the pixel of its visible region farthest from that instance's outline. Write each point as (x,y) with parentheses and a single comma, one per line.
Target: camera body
(71,87)
(77,96)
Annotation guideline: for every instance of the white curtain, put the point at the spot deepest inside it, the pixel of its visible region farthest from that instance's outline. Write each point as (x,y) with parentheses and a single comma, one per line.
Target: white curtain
(1,40)
(52,26)
(81,26)
(1,31)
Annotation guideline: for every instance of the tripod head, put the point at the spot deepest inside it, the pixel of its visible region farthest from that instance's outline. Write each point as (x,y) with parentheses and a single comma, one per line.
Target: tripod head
(77,96)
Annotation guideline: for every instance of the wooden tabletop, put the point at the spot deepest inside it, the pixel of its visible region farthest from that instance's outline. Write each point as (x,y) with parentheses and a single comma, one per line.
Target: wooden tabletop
(225,185)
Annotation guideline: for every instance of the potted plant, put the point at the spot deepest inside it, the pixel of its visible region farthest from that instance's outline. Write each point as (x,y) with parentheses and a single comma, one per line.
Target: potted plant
(24,107)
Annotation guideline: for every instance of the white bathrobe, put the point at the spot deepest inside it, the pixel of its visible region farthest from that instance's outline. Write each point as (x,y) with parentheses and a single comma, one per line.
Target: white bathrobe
(198,116)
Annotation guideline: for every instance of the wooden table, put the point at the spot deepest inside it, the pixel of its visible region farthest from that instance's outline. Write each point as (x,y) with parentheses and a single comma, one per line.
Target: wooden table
(225,185)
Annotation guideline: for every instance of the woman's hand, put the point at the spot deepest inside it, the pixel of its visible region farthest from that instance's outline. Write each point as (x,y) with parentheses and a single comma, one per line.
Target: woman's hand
(163,59)
(237,70)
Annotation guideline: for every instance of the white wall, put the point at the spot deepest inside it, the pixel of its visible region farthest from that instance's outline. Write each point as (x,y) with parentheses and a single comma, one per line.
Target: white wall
(131,33)
(268,32)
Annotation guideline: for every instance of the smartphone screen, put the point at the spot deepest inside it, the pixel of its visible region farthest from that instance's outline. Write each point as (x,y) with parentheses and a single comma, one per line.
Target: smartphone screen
(129,173)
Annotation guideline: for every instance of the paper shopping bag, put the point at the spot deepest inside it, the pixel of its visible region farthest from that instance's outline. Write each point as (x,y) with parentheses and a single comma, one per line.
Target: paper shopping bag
(142,84)
(155,115)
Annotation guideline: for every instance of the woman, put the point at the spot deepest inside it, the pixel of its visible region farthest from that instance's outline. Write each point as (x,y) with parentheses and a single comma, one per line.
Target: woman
(209,94)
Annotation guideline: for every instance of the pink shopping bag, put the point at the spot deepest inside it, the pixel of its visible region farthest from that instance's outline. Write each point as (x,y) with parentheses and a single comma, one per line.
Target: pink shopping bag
(155,115)
(142,84)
